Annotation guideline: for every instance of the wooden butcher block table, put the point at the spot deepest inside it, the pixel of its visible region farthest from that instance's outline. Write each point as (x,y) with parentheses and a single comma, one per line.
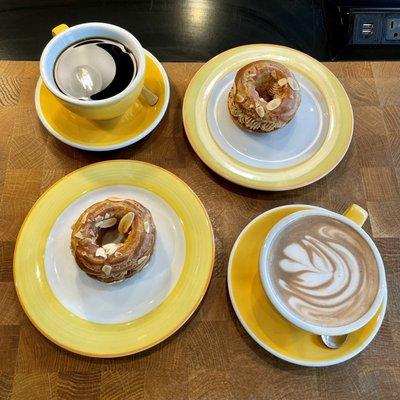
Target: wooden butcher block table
(211,357)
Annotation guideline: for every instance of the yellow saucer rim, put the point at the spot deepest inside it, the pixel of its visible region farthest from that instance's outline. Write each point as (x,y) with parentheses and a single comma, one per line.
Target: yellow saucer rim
(94,350)
(264,345)
(297,176)
(116,146)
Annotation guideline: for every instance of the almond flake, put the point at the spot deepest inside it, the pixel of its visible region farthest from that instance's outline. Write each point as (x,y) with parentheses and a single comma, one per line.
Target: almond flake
(116,199)
(110,248)
(146,226)
(126,222)
(106,269)
(282,82)
(273,74)
(293,83)
(79,235)
(275,103)
(107,216)
(239,98)
(234,88)
(107,223)
(260,111)
(142,260)
(100,252)
(84,218)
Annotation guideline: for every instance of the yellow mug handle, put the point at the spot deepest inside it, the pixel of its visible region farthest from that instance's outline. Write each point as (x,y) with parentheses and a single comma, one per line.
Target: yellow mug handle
(58,29)
(357,214)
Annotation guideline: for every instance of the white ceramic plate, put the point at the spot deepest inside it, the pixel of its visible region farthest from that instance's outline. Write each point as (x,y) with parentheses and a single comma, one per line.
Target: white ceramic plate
(104,303)
(299,140)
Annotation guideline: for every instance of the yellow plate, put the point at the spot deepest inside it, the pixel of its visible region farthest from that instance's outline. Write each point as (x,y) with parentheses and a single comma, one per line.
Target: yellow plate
(329,154)
(112,340)
(263,322)
(86,134)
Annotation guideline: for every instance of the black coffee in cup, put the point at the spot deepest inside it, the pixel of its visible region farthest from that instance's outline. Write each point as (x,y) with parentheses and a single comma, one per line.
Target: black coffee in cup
(94,69)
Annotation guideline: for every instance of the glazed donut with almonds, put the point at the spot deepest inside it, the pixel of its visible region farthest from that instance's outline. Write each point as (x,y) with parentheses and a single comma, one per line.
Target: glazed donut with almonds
(265,96)
(132,247)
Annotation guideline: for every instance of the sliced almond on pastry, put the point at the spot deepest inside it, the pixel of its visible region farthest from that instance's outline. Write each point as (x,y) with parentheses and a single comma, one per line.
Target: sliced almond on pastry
(293,83)
(282,82)
(78,235)
(146,226)
(126,222)
(260,111)
(84,218)
(107,223)
(106,269)
(275,103)
(111,248)
(239,98)
(142,260)
(100,252)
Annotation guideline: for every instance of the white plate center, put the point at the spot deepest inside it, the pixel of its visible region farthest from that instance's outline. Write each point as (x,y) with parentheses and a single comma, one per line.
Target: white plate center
(103,303)
(297,141)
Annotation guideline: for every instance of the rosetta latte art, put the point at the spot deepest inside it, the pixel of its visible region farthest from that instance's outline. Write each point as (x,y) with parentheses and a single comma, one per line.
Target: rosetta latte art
(324,271)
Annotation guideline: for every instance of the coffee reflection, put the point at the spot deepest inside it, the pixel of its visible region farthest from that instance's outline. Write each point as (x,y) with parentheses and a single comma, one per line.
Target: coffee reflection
(94,69)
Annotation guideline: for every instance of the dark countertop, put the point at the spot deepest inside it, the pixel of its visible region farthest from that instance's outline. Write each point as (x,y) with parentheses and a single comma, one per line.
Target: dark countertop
(191,30)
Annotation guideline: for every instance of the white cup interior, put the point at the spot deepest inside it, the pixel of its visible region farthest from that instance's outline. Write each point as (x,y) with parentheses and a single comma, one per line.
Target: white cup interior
(290,315)
(81,32)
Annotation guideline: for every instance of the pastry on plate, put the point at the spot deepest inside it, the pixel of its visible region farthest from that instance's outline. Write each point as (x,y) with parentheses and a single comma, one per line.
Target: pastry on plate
(265,96)
(113,239)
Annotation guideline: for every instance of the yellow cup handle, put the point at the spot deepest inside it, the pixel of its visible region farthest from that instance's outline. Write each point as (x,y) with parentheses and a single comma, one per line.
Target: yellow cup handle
(357,214)
(58,29)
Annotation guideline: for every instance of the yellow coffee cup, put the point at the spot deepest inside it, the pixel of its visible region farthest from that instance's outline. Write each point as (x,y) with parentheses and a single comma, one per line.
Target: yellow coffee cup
(64,37)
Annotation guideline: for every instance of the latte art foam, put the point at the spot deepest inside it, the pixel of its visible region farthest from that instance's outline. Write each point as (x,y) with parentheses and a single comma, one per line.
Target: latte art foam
(324,271)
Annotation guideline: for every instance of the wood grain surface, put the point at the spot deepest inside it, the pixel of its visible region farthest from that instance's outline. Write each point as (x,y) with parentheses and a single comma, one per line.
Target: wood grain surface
(211,357)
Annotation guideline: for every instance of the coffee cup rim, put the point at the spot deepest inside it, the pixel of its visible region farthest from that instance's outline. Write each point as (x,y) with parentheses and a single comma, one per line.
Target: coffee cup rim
(141,64)
(285,311)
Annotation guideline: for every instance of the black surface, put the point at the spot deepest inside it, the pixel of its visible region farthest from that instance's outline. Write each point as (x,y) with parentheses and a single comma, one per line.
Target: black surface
(197,30)
(172,30)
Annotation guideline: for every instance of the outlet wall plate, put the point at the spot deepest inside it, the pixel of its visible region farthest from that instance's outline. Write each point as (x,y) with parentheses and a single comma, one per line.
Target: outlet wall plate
(391,29)
(366,19)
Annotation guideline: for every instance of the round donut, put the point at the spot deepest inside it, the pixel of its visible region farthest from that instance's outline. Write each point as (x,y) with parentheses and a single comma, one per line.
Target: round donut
(134,236)
(265,96)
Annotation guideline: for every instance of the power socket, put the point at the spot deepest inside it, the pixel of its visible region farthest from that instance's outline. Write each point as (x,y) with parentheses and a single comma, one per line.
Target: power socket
(392,28)
(367,28)
(374,27)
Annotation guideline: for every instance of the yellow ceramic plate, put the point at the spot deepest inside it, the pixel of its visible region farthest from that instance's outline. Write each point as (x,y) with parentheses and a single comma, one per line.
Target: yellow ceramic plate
(314,160)
(114,339)
(86,134)
(263,322)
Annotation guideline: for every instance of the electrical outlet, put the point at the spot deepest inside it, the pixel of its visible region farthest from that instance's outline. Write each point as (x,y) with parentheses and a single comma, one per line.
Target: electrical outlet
(392,24)
(367,28)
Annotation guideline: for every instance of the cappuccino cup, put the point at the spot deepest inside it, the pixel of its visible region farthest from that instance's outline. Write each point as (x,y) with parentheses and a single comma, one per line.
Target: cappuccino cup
(65,37)
(322,271)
